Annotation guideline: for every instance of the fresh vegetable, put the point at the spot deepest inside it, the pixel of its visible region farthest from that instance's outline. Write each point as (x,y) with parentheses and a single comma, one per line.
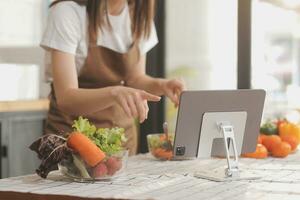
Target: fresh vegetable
(271,141)
(269,128)
(280,121)
(68,167)
(292,140)
(105,169)
(260,152)
(100,170)
(288,128)
(87,150)
(160,147)
(51,149)
(280,137)
(162,153)
(108,140)
(80,166)
(260,138)
(166,143)
(155,141)
(84,126)
(281,150)
(113,165)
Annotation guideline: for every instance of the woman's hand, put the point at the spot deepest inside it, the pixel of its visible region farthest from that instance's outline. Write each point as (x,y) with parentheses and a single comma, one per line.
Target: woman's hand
(133,101)
(172,88)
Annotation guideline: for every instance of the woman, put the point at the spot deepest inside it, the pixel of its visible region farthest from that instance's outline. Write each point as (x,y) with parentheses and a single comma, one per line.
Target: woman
(96,53)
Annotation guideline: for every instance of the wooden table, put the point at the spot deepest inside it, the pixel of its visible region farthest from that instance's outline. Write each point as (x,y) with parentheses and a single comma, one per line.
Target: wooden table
(147,178)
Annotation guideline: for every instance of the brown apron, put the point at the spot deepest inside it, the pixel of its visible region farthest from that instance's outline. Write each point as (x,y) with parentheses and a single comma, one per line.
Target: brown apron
(103,67)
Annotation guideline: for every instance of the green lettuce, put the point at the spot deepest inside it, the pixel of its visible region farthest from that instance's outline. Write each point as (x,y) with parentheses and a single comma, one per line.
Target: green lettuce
(108,140)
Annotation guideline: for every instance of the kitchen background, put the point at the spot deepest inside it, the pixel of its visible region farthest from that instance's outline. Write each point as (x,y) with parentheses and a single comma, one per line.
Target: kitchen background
(210,44)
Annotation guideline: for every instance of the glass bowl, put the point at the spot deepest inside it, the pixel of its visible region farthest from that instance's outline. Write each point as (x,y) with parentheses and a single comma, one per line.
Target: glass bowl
(112,166)
(159,147)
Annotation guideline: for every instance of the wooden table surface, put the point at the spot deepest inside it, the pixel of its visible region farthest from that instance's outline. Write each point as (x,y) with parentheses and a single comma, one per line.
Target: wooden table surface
(148,178)
(28,105)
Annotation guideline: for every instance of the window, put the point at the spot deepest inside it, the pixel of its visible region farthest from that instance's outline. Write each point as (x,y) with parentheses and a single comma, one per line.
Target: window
(275,54)
(201,45)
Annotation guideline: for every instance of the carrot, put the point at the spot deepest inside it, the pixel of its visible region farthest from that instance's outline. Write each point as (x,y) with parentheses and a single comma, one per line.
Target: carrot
(163,154)
(88,151)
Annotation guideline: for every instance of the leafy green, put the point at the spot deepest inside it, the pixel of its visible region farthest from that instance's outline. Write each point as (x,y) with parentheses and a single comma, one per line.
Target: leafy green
(269,128)
(84,126)
(155,142)
(108,140)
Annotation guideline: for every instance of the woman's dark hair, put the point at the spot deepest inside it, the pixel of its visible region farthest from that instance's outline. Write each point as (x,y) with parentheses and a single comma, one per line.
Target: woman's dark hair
(142,15)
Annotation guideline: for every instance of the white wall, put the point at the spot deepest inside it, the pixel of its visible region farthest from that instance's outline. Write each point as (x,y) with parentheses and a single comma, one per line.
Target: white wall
(22,23)
(27,55)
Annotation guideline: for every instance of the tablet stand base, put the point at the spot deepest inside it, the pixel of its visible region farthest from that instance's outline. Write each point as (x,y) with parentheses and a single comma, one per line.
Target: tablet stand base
(232,172)
(219,175)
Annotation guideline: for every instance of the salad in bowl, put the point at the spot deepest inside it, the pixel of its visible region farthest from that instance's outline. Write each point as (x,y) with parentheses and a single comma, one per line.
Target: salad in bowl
(161,146)
(76,168)
(87,153)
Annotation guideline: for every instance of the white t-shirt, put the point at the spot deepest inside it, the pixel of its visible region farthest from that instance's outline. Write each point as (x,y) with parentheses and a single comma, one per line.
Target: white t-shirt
(66,31)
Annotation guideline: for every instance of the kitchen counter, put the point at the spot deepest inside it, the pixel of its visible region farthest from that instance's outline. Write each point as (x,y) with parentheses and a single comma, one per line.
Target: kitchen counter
(147,178)
(21,122)
(28,105)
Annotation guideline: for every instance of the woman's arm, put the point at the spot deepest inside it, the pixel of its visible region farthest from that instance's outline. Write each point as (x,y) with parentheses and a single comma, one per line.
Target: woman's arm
(69,97)
(138,79)
(79,101)
(157,86)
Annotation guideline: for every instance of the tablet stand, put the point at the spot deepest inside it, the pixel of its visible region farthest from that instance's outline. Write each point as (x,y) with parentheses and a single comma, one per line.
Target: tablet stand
(214,128)
(233,165)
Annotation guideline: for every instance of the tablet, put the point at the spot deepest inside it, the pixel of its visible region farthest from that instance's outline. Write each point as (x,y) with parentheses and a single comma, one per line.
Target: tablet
(194,106)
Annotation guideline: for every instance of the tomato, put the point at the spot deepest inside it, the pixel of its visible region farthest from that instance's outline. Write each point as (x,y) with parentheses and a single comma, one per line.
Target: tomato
(281,150)
(292,140)
(260,152)
(271,141)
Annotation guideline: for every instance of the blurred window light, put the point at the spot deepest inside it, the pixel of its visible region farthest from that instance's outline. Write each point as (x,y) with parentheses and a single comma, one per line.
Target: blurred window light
(292,3)
(19,82)
(201,46)
(21,22)
(275,51)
